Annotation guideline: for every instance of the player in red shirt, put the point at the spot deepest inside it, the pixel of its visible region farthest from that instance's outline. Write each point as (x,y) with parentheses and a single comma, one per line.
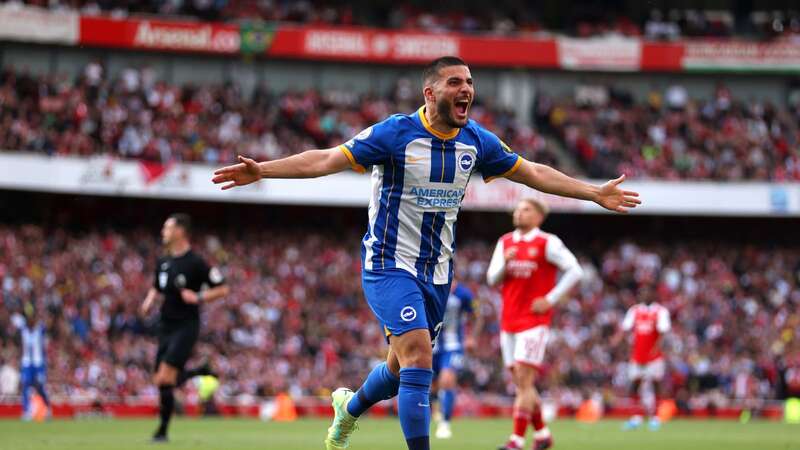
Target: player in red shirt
(647,321)
(525,265)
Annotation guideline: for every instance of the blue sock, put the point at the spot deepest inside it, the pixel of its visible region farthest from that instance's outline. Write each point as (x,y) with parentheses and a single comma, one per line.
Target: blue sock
(42,393)
(414,407)
(447,397)
(26,398)
(381,384)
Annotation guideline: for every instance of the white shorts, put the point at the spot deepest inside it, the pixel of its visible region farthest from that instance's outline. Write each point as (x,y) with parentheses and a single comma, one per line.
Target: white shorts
(526,347)
(653,371)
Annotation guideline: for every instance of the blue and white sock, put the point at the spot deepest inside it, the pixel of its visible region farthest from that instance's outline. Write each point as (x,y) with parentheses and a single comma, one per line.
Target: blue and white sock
(414,407)
(381,384)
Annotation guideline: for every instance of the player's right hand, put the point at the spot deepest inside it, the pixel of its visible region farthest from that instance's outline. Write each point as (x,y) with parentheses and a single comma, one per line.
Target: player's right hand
(145,308)
(246,172)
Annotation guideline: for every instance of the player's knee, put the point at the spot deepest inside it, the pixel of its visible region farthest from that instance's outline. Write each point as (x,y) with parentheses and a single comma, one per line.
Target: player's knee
(524,376)
(413,349)
(447,379)
(417,358)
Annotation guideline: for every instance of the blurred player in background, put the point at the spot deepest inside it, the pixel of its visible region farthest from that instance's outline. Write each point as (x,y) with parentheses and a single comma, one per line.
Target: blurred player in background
(648,321)
(421,164)
(186,282)
(525,264)
(33,367)
(448,353)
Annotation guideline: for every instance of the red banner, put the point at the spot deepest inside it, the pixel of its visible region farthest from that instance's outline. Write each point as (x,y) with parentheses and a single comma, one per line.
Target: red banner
(370,45)
(377,46)
(664,57)
(159,35)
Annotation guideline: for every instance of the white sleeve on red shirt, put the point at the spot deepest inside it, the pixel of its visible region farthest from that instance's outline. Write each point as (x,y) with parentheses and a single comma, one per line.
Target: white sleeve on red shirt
(558,254)
(663,324)
(497,266)
(627,322)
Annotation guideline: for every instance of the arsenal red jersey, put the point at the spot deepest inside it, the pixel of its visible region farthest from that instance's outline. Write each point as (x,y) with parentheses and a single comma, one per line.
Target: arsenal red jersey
(648,323)
(531,263)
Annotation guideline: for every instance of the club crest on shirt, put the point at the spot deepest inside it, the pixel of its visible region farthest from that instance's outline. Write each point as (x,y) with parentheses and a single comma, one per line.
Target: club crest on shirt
(363,134)
(532,252)
(466,161)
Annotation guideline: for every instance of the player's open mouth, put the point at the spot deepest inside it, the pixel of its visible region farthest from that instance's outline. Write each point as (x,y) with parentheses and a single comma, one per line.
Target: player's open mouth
(461,107)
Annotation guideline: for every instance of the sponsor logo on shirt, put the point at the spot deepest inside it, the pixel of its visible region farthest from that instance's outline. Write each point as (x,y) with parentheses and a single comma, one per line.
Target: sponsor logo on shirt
(437,198)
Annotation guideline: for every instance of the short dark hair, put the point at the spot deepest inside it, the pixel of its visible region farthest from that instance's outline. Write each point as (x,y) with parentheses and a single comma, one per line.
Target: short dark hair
(432,69)
(182,220)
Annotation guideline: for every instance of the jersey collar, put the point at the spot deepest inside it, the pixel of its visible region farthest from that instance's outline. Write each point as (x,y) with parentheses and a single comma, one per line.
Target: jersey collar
(527,237)
(429,128)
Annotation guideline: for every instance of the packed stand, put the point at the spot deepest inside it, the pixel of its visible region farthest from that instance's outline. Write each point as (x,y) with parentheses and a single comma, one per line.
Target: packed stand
(294,323)
(581,18)
(673,136)
(138,116)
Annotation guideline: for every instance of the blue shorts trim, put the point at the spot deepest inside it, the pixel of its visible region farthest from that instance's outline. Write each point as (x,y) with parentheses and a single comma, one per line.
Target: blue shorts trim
(402,303)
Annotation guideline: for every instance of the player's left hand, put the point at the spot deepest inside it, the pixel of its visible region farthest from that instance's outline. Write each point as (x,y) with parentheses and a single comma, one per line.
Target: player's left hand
(614,198)
(540,305)
(189,296)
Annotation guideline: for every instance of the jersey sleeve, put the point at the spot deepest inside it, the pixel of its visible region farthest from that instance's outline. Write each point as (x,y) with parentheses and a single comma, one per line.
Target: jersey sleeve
(496,159)
(212,275)
(627,322)
(558,253)
(497,265)
(371,146)
(663,324)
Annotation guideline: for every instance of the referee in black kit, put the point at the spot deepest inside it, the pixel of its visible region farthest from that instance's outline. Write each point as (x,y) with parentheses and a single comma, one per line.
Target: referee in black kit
(186,281)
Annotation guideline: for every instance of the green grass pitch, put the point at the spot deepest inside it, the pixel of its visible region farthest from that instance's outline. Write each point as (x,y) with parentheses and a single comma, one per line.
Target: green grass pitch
(384,434)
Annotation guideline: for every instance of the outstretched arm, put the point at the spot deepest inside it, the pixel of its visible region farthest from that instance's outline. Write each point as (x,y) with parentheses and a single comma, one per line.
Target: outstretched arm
(551,181)
(309,164)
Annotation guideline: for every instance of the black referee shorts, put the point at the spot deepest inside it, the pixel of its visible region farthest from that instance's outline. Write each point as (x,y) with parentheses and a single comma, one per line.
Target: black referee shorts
(176,339)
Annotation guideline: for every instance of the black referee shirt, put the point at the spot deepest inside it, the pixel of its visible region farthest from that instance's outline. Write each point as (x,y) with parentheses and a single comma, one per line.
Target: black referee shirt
(187,271)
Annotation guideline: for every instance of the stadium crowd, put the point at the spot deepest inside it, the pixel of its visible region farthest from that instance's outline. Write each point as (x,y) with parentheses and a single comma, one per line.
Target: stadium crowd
(509,17)
(672,136)
(668,136)
(138,116)
(296,324)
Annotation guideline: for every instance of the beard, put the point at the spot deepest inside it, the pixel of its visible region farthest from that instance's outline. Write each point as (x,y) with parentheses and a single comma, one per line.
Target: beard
(445,111)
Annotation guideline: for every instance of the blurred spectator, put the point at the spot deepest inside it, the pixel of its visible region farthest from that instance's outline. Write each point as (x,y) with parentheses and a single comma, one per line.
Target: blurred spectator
(296,323)
(722,138)
(138,116)
(582,18)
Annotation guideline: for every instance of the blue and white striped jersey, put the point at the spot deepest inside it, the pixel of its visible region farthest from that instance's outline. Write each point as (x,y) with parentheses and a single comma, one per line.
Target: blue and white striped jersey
(33,342)
(419,178)
(459,306)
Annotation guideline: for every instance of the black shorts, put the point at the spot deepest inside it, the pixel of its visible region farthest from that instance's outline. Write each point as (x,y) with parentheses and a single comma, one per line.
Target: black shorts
(176,339)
